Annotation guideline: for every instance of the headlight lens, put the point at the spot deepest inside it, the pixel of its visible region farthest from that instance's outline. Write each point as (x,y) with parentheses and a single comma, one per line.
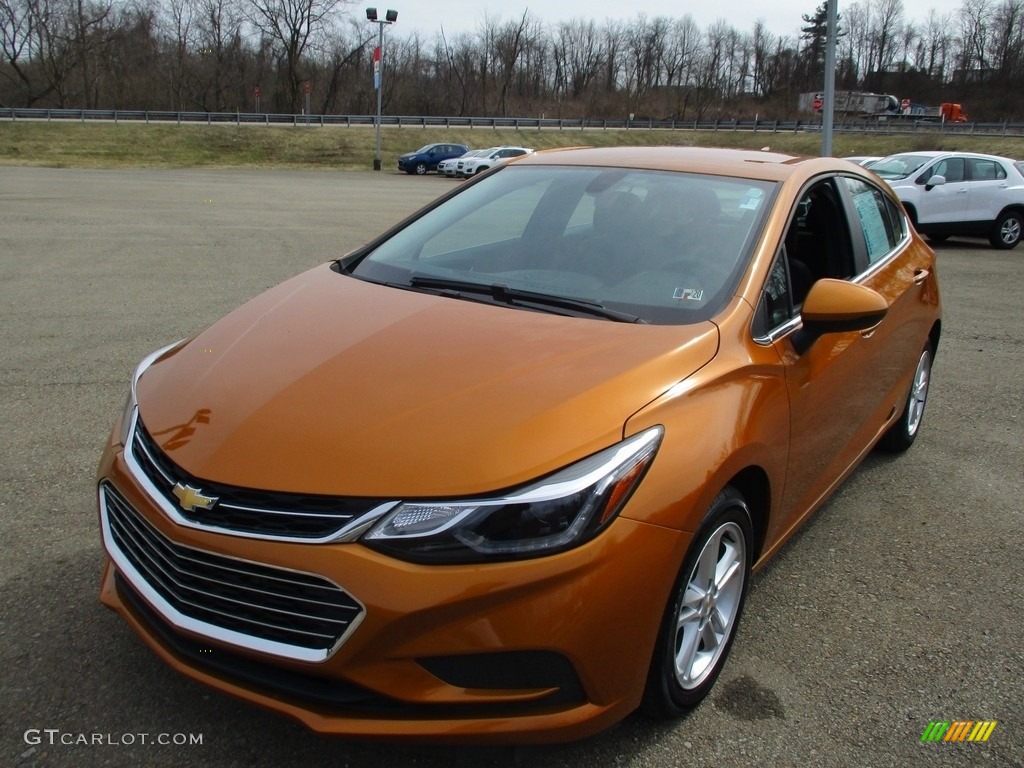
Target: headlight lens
(554,514)
(132,403)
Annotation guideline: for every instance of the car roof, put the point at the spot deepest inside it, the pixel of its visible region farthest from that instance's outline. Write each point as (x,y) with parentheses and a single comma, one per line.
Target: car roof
(751,164)
(952,153)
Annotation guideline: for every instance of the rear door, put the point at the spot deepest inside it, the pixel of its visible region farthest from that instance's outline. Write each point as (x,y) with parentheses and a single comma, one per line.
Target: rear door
(988,182)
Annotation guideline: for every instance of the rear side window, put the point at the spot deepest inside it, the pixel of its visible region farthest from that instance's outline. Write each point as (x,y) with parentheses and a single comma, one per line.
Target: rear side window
(983,169)
(880,223)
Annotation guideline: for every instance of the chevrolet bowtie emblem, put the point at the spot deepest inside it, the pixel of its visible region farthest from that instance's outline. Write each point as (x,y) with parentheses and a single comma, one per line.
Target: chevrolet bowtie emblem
(190,498)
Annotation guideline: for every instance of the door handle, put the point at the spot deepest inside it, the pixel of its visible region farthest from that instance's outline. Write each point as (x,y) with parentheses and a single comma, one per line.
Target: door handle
(920,275)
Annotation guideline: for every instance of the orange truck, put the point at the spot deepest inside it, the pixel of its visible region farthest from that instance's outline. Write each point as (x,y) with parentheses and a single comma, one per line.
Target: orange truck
(953,113)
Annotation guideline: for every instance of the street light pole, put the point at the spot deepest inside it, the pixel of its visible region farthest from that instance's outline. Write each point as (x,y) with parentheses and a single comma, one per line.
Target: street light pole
(832,19)
(378,70)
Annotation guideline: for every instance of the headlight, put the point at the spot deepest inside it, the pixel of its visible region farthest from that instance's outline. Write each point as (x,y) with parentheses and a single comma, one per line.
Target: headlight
(132,403)
(554,514)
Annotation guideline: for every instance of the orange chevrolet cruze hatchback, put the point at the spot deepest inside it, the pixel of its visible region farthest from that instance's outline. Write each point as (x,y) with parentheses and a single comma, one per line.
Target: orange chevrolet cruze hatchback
(503,473)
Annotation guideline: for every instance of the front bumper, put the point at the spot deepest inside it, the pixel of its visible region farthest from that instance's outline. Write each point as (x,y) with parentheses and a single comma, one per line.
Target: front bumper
(541,650)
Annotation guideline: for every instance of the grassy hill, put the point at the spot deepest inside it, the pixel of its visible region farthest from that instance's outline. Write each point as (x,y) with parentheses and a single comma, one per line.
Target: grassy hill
(140,145)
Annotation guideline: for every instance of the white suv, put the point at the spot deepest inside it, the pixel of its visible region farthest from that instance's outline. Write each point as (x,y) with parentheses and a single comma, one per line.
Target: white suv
(958,193)
(496,156)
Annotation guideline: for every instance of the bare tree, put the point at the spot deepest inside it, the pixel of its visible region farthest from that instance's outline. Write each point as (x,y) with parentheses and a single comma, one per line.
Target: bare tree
(459,72)
(218,31)
(1007,45)
(885,34)
(16,36)
(934,45)
(509,43)
(975,19)
(293,26)
(178,22)
(578,56)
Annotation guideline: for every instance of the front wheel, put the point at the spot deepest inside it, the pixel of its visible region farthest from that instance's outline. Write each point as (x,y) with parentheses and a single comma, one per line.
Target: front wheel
(1007,231)
(703,613)
(901,435)
(421,168)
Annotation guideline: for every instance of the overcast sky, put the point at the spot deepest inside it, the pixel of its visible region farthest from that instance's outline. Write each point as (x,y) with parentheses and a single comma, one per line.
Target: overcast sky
(782,17)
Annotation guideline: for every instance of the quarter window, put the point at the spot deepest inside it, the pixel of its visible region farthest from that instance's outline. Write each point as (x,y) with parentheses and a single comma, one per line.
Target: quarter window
(777,297)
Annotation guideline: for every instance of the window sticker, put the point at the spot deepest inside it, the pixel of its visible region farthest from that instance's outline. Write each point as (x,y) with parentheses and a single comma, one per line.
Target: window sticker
(752,200)
(688,294)
(871,220)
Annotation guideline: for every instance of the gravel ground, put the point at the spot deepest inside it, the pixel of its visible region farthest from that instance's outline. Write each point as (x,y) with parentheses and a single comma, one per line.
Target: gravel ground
(899,603)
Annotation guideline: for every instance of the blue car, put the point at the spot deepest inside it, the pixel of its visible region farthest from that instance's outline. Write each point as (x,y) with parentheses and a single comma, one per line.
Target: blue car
(426,158)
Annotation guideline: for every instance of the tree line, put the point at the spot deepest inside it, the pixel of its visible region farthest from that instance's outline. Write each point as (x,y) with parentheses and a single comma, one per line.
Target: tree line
(213,55)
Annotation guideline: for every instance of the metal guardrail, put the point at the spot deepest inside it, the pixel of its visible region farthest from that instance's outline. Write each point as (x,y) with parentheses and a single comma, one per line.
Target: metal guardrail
(885,127)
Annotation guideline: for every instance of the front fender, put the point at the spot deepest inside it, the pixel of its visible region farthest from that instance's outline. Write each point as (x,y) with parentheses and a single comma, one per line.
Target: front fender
(730,415)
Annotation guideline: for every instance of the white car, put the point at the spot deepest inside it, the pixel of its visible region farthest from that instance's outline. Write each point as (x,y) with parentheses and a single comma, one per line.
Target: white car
(958,193)
(460,164)
(495,156)
(450,168)
(447,167)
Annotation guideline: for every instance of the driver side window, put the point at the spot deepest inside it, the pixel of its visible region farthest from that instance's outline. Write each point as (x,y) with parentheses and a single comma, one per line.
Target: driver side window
(817,244)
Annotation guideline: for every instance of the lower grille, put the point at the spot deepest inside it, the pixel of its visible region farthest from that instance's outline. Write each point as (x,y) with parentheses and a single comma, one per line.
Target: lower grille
(281,683)
(292,614)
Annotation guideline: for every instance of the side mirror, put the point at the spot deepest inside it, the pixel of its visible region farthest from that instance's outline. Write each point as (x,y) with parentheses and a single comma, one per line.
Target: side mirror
(837,306)
(935,181)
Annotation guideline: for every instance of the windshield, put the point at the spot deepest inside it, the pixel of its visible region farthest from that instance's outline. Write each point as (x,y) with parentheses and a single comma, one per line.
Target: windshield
(900,166)
(665,247)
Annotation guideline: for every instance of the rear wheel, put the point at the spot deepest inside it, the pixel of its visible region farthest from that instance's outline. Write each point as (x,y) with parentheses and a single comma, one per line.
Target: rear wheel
(901,435)
(703,613)
(1007,230)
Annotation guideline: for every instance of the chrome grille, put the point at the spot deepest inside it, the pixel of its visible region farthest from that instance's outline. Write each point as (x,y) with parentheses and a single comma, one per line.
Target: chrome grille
(234,600)
(245,510)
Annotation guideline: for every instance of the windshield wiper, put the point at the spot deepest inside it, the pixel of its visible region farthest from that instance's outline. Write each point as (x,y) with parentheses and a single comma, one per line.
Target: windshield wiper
(518,297)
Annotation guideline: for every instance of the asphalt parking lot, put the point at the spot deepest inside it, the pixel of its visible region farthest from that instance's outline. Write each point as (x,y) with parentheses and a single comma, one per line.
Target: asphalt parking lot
(899,604)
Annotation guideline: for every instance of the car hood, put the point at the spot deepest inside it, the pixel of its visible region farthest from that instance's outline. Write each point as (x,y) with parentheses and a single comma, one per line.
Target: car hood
(329,384)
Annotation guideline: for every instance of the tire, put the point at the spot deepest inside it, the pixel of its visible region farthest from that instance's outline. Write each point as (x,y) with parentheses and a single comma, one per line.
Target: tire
(480,169)
(901,435)
(700,624)
(421,168)
(1007,230)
